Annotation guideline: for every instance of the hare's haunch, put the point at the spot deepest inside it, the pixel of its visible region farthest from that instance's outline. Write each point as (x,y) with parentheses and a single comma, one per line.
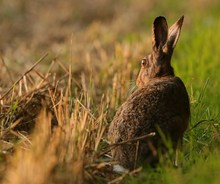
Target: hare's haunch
(160,104)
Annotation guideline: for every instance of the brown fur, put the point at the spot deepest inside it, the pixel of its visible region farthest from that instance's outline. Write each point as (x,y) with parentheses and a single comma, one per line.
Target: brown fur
(161,100)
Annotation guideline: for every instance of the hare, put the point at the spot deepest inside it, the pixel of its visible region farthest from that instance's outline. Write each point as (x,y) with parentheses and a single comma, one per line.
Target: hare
(160,104)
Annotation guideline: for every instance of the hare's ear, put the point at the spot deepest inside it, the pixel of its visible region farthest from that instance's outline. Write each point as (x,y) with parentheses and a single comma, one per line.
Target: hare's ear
(173,35)
(160,32)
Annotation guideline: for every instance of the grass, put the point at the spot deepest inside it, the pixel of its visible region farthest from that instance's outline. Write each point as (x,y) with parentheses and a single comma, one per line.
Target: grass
(55,118)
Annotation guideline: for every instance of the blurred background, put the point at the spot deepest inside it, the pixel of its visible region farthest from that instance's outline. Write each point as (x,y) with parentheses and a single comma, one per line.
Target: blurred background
(102,35)
(29,28)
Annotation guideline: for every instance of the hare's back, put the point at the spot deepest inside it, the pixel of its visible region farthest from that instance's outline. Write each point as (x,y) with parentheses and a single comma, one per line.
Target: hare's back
(163,102)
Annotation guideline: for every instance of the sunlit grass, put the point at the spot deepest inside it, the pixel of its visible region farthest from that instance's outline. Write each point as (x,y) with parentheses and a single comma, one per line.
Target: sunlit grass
(196,61)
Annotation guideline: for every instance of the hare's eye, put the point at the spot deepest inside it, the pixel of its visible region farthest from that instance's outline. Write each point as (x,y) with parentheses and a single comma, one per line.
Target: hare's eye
(143,62)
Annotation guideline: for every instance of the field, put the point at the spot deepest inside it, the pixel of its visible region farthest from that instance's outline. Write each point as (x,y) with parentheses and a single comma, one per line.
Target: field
(66,67)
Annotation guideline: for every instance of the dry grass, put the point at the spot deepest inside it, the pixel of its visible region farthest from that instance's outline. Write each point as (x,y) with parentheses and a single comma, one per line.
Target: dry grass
(67,143)
(34,162)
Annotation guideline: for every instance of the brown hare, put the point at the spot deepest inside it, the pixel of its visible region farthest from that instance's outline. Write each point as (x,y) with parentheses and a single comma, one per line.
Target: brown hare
(160,104)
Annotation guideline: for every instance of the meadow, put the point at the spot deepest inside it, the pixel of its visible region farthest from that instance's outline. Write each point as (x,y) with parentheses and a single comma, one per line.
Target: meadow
(65,68)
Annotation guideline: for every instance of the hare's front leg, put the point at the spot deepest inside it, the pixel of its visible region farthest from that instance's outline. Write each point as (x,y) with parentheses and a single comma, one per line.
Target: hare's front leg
(178,154)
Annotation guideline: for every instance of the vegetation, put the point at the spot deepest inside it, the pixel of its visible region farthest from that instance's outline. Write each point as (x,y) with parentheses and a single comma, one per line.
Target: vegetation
(55,108)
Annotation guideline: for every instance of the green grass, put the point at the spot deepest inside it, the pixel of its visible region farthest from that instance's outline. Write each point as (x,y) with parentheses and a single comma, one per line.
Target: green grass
(196,61)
